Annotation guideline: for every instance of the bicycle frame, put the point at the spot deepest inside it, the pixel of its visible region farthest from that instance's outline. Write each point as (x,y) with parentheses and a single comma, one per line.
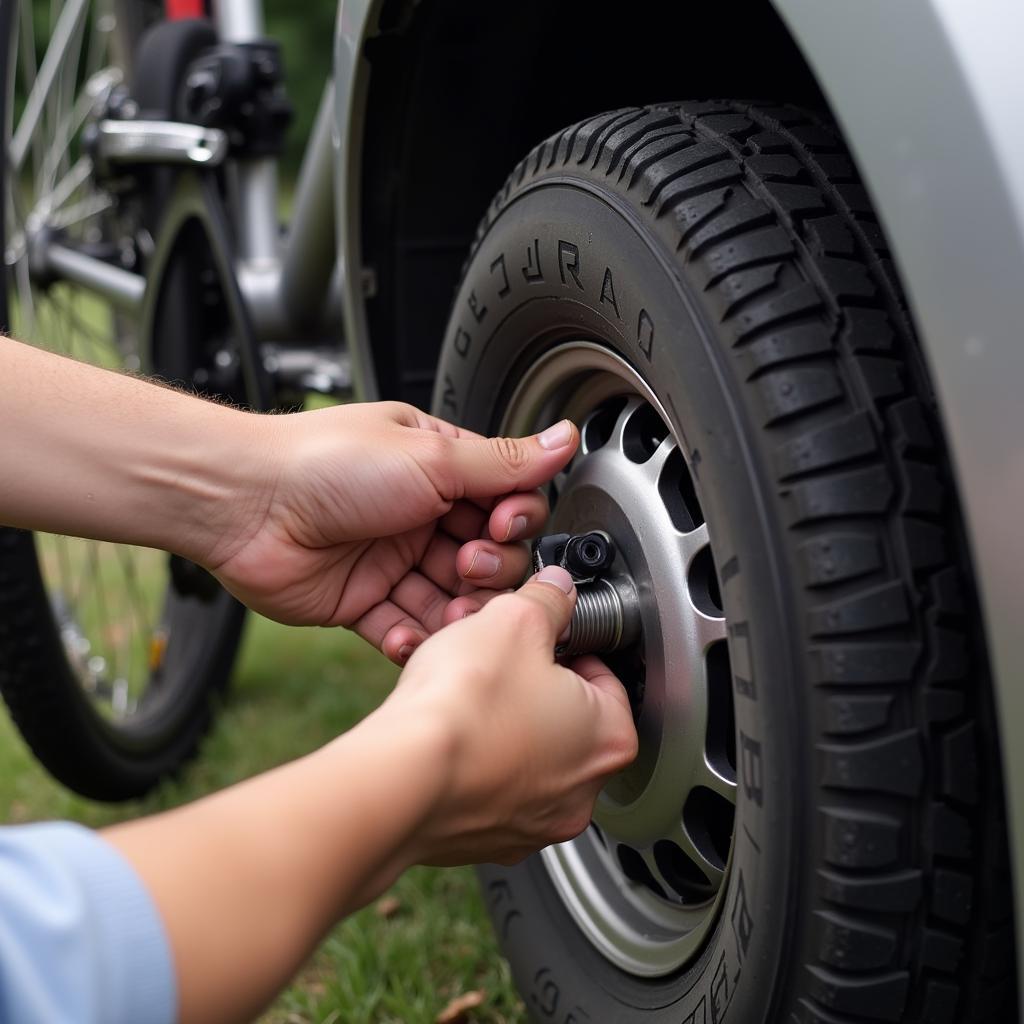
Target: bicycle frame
(289,281)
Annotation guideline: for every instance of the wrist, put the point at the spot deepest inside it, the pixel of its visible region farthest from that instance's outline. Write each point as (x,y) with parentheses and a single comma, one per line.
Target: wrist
(214,481)
(414,751)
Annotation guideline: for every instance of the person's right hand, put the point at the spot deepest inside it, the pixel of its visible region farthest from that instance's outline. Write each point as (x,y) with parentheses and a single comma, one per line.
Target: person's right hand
(529,742)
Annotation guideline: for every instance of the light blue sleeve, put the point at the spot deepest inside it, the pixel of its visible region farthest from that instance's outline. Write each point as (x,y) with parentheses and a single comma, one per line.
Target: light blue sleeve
(80,938)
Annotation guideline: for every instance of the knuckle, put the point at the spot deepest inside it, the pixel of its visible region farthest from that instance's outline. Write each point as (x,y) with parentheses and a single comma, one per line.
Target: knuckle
(434,458)
(621,749)
(528,614)
(501,608)
(437,447)
(571,826)
(628,749)
(403,411)
(510,452)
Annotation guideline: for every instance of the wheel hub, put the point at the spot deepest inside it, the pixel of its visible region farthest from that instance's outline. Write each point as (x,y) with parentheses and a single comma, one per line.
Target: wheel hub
(645,882)
(607,490)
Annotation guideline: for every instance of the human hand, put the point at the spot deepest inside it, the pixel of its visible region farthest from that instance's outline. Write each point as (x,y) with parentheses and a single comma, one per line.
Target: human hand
(377,516)
(529,742)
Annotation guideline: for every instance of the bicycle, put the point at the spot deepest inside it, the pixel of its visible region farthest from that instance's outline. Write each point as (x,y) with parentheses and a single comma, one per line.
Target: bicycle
(122,247)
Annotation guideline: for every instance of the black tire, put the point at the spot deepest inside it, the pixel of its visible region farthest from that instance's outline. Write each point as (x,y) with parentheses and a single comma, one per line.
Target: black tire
(754,294)
(101,755)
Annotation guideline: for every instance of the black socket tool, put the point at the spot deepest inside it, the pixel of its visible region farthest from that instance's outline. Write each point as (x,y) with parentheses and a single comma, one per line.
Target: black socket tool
(585,556)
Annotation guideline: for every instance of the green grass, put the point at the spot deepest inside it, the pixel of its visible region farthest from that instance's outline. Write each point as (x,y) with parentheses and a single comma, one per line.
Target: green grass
(295,689)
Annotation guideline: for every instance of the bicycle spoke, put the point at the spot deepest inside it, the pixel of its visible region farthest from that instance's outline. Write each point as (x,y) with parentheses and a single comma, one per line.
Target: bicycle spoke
(101,344)
(137,604)
(75,178)
(84,209)
(63,564)
(28,305)
(62,97)
(104,609)
(103,23)
(63,336)
(29,69)
(63,34)
(62,138)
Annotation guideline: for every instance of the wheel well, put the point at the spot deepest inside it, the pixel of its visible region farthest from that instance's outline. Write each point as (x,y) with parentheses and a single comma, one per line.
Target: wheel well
(460,92)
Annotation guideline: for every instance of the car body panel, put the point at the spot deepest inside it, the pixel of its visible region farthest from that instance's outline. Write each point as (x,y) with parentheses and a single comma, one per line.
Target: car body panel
(929,95)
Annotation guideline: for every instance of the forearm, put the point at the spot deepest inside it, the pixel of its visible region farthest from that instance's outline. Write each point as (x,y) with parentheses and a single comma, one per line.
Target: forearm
(104,455)
(247,881)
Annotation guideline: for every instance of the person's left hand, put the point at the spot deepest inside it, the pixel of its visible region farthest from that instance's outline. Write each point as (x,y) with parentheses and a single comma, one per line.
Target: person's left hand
(377,516)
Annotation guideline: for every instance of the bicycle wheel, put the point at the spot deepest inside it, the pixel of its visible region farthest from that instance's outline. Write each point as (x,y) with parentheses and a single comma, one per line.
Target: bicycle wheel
(110,656)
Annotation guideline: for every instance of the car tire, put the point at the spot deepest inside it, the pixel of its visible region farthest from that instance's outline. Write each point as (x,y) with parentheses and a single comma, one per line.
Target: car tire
(723,260)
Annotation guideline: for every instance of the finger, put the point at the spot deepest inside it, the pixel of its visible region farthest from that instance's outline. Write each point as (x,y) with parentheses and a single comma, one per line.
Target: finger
(422,599)
(457,570)
(621,743)
(464,521)
(391,630)
(518,516)
(440,563)
(551,596)
(468,604)
(599,675)
(481,468)
(496,566)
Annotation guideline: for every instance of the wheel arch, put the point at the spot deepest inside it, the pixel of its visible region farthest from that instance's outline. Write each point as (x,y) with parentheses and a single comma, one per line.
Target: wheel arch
(439,100)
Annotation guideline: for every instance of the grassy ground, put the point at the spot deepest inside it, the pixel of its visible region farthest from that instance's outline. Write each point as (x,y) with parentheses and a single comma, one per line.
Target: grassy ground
(400,960)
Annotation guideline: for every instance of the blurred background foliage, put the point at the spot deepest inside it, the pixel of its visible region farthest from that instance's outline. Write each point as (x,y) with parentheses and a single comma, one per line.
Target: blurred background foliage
(305,30)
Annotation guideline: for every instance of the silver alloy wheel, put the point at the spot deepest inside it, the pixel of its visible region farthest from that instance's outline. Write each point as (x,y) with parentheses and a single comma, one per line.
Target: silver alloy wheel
(107,599)
(645,882)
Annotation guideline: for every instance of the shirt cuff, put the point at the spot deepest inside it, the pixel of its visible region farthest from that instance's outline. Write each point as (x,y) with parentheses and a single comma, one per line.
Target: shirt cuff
(123,934)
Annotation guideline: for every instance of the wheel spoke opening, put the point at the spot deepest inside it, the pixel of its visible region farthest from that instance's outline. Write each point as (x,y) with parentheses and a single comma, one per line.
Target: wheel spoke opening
(708,818)
(688,882)
(598,428)
(675,485)
(635,868)
(703,583)
(642,434)
(720,741)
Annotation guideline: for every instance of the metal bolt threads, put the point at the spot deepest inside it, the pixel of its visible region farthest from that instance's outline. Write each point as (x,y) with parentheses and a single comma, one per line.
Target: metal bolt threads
(606,617)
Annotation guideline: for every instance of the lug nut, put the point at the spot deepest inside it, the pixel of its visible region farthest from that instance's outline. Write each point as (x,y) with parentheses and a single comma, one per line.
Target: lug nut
(589,554)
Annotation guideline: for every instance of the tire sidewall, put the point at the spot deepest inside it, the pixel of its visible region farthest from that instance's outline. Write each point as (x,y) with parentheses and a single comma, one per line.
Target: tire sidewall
(566,259)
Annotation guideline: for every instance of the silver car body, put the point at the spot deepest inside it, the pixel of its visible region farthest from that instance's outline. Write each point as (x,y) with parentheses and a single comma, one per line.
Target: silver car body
(930,96)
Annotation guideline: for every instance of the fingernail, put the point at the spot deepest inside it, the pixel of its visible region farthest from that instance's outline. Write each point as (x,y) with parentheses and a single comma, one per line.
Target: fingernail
(466,614)
(405,652)
(483,566)
(556,576)
(517,526)
(557,436)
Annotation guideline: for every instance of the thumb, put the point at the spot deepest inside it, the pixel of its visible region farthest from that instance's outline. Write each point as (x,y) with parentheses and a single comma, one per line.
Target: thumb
(551,592)
(488,466)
